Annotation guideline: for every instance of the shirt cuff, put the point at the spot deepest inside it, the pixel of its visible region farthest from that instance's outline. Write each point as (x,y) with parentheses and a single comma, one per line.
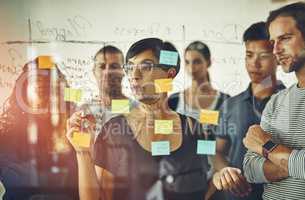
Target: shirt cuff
(261,174)
(296,164)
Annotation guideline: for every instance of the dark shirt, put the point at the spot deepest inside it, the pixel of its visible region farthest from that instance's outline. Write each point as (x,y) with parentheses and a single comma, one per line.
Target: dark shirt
(136,172)
(236,116)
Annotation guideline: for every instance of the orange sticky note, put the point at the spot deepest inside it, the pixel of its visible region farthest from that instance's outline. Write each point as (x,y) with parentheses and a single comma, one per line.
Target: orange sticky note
(81,139)
(209,117)
(164,85)
(45,62)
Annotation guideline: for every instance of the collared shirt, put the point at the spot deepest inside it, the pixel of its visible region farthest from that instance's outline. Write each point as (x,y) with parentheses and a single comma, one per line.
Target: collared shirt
(237,115)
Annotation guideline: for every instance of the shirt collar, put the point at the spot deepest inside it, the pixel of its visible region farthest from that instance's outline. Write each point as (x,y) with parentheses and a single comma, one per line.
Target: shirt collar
(248,92)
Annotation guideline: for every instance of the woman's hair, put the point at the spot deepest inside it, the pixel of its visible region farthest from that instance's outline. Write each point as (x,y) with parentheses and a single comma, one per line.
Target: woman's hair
(203,49)
(13,118)
(156,45)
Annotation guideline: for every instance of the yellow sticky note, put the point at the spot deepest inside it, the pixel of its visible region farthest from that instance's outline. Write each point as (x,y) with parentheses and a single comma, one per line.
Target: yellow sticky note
(120,106)
(81,139)
(45,62)
(163,126)
(73,95)
(164,85)
(209,117)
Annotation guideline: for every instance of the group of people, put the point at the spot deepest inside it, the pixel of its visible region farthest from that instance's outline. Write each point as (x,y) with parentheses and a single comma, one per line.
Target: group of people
(259,151)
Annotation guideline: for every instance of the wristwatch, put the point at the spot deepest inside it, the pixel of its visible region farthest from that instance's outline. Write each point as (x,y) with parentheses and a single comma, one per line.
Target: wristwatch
(268,147)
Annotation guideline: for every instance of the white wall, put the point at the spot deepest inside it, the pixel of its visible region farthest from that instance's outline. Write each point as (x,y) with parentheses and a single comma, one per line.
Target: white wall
(76,29)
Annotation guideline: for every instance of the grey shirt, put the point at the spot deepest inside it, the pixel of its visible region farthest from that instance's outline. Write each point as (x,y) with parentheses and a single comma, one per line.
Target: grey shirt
(284,119)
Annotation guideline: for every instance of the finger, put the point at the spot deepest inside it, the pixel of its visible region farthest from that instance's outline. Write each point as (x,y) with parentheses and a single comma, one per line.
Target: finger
(232,185)
(224,183)
(71,131)
(216,181)
(241,183)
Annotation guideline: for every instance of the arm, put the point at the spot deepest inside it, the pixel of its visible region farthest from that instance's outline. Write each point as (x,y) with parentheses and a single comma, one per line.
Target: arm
(257,168)
(88,184)
(90,176)
(222,147)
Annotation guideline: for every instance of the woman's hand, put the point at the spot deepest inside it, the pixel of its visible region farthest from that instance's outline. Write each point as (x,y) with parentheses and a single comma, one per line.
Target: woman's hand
(74,125)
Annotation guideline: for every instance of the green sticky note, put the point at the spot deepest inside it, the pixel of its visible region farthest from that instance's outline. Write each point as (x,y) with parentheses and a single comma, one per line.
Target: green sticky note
(160,148)
(73,95)
(163,126)
(120,106)
(168,57)
(207,147)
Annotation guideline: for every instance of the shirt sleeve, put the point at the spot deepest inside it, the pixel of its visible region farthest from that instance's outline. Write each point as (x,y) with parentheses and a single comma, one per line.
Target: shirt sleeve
(253,167)
(296,164)
(222,129)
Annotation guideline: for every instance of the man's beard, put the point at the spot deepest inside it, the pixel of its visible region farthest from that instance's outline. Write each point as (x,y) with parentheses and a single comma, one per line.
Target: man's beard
(298,62)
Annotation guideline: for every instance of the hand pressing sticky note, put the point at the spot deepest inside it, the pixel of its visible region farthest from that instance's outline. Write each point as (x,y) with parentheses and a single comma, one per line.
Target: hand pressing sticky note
(2,190)
(206,147)
(209,117)
(164,85)
(168,57)
(163,126)
(81,139)
(120,106)
(160,148)
(73,95)
(45,62)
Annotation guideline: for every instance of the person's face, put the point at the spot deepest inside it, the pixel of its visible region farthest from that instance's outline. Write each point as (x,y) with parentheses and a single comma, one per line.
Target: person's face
(108,72)
(288,42)
(196,65)
(260,61)
(142,74)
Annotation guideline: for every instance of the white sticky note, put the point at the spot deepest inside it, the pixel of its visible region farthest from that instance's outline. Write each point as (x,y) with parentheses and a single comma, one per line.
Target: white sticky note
(163,126)
(206,147)
(120,106)
(160,148)
(73,95)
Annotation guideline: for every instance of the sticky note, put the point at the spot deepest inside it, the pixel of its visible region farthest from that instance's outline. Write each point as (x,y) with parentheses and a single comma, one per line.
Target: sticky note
(2,190)
(160,148)
(163,126)
(209,117)
(207,147)
(164,85)
(81,139)
(73,95)
(45,62)
(168,57)
(120,106)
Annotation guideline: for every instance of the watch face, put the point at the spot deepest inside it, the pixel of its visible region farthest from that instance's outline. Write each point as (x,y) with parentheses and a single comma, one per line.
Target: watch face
(269,145)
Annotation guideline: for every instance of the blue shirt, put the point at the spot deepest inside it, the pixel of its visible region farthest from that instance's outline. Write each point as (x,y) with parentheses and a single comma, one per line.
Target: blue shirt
(237,114)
